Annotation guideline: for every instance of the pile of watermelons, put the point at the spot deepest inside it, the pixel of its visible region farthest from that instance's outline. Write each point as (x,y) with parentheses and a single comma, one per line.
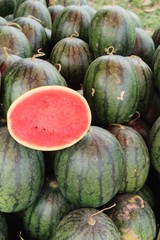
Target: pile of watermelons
(105,186)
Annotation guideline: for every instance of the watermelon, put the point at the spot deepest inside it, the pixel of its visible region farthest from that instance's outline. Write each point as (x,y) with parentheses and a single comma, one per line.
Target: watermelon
(41,219)
(26,74)
(142,127)
(156,69)
(22,173)
(86,223)
(112,26)
(70,20)
(74,56)
(3,227)
(133,217)
(96,163)
(111,89)
(137,160)
(6,59)
(7,7)
(154,139)
(156,36)
(144,46)
(14,39)
(146,82)
(54,10)
(49,118)
(35,33)
(35,8)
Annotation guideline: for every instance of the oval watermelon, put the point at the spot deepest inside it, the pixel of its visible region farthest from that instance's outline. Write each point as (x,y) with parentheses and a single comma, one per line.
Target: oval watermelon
(49,118)
(111,89)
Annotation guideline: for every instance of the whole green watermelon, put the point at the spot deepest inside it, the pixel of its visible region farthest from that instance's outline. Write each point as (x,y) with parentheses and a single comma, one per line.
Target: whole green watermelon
(90,172)
(22,173)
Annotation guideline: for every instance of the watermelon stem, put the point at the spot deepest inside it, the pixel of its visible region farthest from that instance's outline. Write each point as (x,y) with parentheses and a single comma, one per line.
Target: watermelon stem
(21,236)
(14,25)
(37,19)
(58,66)
(110,50)
(135,118)
(75,33)
(6,50)
(38,54)
(92,221)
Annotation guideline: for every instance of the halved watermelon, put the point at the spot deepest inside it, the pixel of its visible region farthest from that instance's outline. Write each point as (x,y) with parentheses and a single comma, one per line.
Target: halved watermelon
(49,118)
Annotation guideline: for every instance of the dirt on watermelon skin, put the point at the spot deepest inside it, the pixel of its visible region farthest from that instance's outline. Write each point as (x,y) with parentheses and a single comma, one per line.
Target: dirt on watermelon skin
(49,118)
(133,217)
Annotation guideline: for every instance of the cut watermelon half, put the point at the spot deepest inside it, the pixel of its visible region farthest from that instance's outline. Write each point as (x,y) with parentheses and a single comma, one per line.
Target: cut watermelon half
(49,118)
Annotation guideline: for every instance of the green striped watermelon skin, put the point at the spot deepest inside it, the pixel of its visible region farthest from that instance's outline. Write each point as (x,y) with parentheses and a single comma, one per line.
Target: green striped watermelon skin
(156,36)
(26,74)
(148,195)
(137,160)
(71,20)
(154,140)
(146,82)
(74,56)
(41,219)
(156,69)
(96,163)
(6,59)
(14,39)
(75,226)
(7,7)
(35,33)
(144,46)
(111,89)
(133,217)
(22,174)
(37,9)
(3,227)
(111,26)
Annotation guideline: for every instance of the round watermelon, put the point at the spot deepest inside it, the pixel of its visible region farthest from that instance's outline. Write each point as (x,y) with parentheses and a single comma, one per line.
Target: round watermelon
(133,217)
(90,172)
(86,223)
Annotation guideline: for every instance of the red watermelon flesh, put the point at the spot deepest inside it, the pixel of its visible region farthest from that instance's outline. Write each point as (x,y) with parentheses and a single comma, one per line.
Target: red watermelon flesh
(49,118)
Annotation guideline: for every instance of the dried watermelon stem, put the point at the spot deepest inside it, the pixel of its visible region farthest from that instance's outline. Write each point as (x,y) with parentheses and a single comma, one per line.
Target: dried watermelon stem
(92,221)
(14,25)
(6,50)
(38,54)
